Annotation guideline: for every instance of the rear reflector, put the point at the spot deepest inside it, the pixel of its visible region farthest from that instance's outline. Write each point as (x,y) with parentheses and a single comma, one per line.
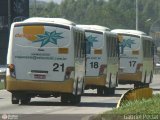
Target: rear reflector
(12,70)
(11,66)
(63,50)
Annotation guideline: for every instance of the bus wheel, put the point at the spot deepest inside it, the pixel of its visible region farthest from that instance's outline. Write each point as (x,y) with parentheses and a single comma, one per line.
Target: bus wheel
(141,85)
(64,98)
(145,84)
(75,99)
(109,91)
(25,100)
(137,85)
(100,91)
(83,87)
(151,77)
(15,100)
(112,91)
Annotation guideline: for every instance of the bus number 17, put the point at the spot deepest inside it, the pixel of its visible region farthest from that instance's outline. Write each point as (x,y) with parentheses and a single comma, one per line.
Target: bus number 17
(132,63)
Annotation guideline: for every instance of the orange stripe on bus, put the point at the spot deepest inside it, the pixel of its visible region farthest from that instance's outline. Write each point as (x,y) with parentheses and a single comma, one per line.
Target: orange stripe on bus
(97,51)
(63,50)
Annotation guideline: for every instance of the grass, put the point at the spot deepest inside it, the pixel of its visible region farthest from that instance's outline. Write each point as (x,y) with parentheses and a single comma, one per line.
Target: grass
(1,85)
(138,109)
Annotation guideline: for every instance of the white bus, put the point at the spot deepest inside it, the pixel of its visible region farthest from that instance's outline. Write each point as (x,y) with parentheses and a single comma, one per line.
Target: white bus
(102,59)
(136,57)
(45,58)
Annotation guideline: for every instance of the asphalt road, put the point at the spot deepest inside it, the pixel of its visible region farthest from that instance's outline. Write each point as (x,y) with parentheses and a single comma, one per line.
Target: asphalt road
(53,109)
(91,104)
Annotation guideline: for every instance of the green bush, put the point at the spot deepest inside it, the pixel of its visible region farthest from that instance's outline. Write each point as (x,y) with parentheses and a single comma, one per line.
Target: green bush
(145,108)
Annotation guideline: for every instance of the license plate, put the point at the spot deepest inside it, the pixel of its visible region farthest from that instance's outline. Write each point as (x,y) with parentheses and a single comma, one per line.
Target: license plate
(39,76)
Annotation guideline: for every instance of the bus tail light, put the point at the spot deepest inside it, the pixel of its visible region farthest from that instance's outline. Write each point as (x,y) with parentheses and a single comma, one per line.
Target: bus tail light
(102,69)
(139,67)
(68,72)
(12,70)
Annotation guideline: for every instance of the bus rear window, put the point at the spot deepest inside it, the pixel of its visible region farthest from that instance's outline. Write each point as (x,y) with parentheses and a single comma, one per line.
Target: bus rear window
(41,36)
(94,40)
(129,43)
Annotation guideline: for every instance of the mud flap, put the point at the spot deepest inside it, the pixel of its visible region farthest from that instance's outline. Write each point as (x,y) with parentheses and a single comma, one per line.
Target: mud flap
(135,94)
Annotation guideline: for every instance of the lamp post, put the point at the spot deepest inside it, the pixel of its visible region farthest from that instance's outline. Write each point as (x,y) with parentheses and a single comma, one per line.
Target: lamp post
(155,34)
(136,14)
(147,25)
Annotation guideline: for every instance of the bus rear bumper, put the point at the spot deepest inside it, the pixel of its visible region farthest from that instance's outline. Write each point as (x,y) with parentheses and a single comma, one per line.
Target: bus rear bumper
(95,81)
(24,85)
(129,78)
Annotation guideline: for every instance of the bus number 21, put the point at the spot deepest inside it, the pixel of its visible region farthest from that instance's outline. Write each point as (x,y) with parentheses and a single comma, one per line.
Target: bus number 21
(58,67)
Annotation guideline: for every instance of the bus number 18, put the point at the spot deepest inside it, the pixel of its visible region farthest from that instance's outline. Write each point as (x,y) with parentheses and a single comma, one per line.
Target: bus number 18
(94,64)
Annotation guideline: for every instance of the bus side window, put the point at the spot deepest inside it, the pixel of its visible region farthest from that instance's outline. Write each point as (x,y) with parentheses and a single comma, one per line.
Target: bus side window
(114,47)
(147,49)
(83,45)
(144,48)
(75,43)
(79,47)
(78,44)
(117,46)
(109,47)
(153,47)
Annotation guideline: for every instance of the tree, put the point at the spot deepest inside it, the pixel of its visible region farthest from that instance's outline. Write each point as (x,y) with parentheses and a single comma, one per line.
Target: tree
(109,13)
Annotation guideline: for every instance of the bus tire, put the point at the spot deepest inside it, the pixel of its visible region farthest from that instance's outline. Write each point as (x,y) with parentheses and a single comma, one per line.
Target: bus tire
(25,100)
(146,85)
(15,100)
(83,87)
(100,91)
(117,79)
(151,77)
(64,98)
(75,99)
(109,91)
(106,91)
(112,91)
(141,85)
(137,85)
(145,77)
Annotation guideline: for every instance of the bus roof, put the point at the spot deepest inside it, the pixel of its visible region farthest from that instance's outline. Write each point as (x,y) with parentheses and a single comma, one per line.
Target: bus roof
(94,27)
(127,31)
(50,20)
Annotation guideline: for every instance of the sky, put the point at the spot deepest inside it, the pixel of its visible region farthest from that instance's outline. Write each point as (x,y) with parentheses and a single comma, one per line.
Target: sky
(57,1)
